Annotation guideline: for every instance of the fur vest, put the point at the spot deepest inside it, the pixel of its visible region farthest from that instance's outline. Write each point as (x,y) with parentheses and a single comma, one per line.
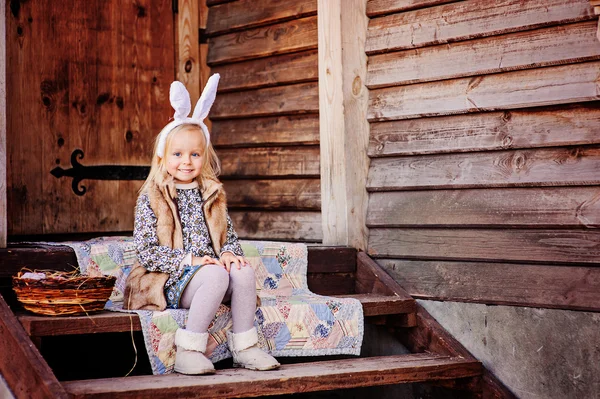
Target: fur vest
(145,289)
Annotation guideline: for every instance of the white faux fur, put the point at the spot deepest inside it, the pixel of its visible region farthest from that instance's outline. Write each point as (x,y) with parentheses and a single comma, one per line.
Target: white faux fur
(240,341)
(191,341)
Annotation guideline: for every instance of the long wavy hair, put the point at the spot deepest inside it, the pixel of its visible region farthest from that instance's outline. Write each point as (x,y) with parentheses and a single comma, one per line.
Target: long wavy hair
(211,167)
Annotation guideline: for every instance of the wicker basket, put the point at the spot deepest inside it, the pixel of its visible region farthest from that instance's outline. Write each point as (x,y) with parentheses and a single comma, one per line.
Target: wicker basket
(61,293)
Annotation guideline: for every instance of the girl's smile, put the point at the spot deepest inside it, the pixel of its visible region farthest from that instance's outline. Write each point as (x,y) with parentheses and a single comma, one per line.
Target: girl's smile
(184,155)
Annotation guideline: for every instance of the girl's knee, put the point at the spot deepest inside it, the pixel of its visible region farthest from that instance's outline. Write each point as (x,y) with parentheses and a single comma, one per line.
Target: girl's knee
(243,275)
(217,277)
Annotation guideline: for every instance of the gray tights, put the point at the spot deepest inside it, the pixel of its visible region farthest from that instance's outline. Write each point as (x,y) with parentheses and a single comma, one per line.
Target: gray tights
(211,286)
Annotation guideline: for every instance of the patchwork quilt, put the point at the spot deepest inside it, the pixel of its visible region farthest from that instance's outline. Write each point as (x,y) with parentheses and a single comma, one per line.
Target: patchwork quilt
(291,321)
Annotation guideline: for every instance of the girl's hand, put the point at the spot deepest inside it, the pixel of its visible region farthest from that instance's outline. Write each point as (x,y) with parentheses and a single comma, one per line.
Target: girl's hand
(228,258)
(204,260)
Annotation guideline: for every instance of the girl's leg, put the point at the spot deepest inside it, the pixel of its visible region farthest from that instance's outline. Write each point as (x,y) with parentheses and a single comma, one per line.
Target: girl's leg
(242,291)
(203,295)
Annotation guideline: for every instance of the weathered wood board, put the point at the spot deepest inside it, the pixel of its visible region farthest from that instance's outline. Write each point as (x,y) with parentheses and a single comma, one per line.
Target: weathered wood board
(562,287)
(290,194)
(379,7)
(104,91)
(246,14)
(270,161)
(551,207)
(278,225)
(468,20)
(527,128)
(529,88)
(270,71)
(267,131)
(502,245)
(536,167)
(561,44)
(285,37)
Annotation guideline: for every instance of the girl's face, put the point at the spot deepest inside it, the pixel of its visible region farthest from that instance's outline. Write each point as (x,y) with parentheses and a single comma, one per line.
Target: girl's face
(184,155)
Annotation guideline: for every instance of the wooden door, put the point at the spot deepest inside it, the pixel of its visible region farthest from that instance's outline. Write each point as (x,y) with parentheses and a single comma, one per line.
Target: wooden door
(87,81)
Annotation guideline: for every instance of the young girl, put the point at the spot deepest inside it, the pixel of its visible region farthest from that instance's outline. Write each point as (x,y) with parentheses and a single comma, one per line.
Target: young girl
(183,230)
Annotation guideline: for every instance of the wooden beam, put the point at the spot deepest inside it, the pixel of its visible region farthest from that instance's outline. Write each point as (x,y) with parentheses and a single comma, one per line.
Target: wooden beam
(539,286)
(3,108)
(25,371)
(343,125)
(278,225)
(187,51)
(385,7)
(466,20)
(290,194)
(300,161)
(290,378)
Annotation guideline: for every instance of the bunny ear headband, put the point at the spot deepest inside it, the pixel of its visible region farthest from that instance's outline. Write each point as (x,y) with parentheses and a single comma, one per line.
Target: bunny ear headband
(180,101)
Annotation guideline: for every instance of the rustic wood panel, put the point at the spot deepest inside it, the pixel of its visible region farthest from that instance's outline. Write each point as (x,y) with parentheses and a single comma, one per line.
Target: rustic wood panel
(468,20)
(295,194)
(3,210)
(529,128)
(316,376)
(518,245)
(211,3)
(270,71)
(508,90)
(382,7)
(556,207)
(538,167)
(371,278)
(187,50)
(290,99)
(270,161)
(560,287)
(325,259)
(245,14)
(279,130)
(21,365)
(108,103)
(292,226)
(523,50)
(286,37)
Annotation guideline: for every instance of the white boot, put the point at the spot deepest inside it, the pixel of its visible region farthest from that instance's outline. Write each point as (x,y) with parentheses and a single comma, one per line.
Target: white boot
(190,357)
(246,352)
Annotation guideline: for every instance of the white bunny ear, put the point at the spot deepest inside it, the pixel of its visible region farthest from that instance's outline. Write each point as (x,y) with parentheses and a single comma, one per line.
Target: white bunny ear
(180,100)
(207,98)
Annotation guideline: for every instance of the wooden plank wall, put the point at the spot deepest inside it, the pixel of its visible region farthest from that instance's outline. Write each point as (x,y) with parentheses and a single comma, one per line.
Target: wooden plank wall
(265,121)
(96,81)
(3,232)
(485,150)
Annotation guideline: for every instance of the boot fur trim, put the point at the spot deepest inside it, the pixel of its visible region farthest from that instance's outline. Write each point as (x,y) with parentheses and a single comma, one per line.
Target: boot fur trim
(240,341)
(191,341)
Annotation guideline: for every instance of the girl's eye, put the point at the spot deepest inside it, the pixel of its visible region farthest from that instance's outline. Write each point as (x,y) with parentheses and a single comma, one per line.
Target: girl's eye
(177,154)
(195,154)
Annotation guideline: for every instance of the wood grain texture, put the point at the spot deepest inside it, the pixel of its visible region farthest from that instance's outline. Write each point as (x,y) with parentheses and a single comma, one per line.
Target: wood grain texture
(318,376)
(3,206)
(108,103)
(372,279)
(290,194)
(326,259)
(468,20)
(285,37)
(383,7)
(297,67)
(510,245)
(528,128)
(269,131)
(344,130)
(562,44)
(270,162)
(187,50)
(22,367)
(529,88)
(211,3)
(567,166)
(553,207)
(290,99)
(245,14)
(292,226)
(42,257)
(558,287)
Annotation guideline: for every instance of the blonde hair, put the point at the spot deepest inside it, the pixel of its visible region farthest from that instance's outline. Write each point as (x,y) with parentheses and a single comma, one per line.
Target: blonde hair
(211,167)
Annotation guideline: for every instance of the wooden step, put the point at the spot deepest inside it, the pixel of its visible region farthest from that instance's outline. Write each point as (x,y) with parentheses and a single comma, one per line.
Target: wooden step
(290,378)
(106,321)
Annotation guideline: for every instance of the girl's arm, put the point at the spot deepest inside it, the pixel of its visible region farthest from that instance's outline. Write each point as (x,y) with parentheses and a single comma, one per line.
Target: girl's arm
(153,256)
(232,243)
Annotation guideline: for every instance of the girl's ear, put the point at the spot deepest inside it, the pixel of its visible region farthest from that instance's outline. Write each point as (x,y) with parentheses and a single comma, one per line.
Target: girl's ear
(207,98)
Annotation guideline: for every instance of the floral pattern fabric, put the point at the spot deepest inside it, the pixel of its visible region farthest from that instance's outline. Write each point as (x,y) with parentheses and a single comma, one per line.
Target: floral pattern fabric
(291,320)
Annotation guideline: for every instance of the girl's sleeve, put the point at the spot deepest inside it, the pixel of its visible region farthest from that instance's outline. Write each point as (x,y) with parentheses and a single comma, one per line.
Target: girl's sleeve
(232,243)
(153,256)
